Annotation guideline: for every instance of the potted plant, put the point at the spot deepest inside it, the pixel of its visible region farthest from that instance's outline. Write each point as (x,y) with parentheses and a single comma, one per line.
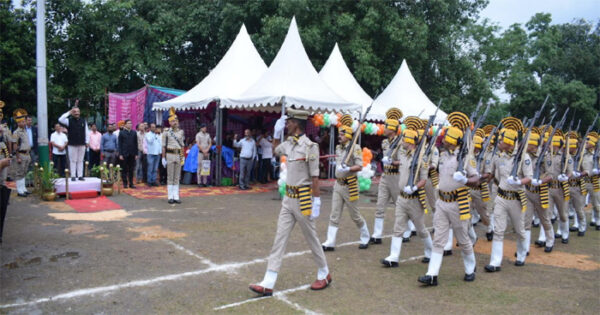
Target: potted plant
(107,176)
(47,179)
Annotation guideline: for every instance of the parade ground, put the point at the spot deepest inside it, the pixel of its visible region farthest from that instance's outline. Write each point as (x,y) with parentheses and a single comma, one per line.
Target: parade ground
(199,257)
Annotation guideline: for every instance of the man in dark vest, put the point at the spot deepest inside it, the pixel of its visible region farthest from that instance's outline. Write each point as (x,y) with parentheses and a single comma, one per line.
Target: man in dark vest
(128,153)
(78,140)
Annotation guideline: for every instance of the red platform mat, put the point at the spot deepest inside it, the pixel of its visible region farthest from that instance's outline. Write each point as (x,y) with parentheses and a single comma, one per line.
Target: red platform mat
(93,205)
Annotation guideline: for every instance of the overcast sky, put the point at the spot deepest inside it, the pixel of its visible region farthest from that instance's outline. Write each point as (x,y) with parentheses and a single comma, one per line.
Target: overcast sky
(508,12)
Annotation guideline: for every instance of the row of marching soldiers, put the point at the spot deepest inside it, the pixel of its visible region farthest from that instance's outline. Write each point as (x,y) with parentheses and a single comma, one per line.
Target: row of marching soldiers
(501,173)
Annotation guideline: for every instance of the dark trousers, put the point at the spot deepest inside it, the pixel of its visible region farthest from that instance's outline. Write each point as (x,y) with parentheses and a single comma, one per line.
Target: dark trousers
(60,163)
(128,169)
(266,170)
(4,196)
(94,158)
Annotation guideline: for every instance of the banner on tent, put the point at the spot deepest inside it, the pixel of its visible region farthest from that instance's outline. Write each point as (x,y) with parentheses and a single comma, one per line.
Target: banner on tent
(122,106)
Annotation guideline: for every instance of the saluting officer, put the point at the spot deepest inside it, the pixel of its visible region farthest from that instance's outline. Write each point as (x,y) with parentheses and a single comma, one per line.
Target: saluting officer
(388,185)
(172,155)
(302,201)
(345,190)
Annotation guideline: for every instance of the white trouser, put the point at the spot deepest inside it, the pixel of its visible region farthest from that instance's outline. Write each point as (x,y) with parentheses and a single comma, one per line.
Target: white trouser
(76,154)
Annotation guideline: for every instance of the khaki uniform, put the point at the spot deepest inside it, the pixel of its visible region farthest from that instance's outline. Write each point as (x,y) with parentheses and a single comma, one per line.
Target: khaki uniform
(203,141)
(341,194)
(173,141)
(388,185)
(299,174)
(3,155)
(447,216)
(534,205)
(430,190)
(587,165)
(493,186)
(409,206)
(477,203)
(23,147)
(577,202)
(556,195)
(504,207)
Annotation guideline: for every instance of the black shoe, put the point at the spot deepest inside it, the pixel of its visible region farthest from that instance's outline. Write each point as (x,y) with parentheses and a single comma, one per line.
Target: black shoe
(535,225)
(432,231)
(389,264)
(428,280)
(81,178)
(73,179)
(171,201)
(573,229)
(177,201)
(470,277)
(28,192)
(557,236)
(540,244)
(592,223)
(448,252)
(22,195)
(489,236)
(581,233)
(597,227)
(548,249)
(327,248)
(425,260)
(413,233)
(519,263)
(571,217)
(363,246)
(405,239)
(132,186)
(553,220)
(490,268)
(375,240)
(565,241)
(474,224)
(526,255)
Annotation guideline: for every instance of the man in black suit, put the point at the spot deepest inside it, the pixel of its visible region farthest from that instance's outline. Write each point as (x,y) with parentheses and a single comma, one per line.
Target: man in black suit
(128,150)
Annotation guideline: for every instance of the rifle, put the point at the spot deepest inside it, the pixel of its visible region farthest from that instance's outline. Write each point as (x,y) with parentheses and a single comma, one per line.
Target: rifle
(464,146)
(567,153)
(396,143)
(496,138)
(486,144)
(524,141)
(362,119)
(595,157)
(540,160)
(418,155)
(581,148)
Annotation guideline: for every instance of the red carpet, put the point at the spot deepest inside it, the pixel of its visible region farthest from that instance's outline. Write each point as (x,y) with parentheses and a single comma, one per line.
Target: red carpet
(93,205)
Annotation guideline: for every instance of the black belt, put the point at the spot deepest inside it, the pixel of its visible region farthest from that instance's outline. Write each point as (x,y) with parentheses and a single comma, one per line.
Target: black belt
(295,191)
(390,169)
(508,194)
(245,158)
(109,151)
(411,196)
(555,184)
(23,151)
(533,189)
(450,196)
(174,151)
(344,180)
(574,182)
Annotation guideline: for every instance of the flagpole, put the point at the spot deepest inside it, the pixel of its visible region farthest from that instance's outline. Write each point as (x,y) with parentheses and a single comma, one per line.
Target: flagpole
(42,97)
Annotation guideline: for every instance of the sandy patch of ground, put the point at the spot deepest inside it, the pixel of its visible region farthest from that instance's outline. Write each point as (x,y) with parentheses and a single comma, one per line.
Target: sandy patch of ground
(111,215)
(155,232)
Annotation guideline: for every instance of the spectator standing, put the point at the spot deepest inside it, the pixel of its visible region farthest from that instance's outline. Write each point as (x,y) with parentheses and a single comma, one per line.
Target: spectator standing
(32,134)
(77,134)
(59,149)
(204,143)
(247,156)
(154,144)
(266,170)
(109,146)
(128,153)
(141,166)
(95,138)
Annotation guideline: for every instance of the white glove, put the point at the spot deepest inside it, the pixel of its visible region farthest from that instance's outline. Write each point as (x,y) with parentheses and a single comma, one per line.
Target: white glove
(562,178)
(536,182)
(459,177)
(343,168)
(576,174)
(279,127)
(513,181)
(595,171)
(164,162)
(316,207)
(408,190)
(386,160)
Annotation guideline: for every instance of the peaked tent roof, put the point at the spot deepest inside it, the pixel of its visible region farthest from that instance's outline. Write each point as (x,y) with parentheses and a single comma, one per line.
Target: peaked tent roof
(240,67)
(404,93)
(336,74)
(293,79)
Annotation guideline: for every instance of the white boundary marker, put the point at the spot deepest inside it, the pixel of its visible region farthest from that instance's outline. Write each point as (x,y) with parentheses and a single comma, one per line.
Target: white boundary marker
(228,267)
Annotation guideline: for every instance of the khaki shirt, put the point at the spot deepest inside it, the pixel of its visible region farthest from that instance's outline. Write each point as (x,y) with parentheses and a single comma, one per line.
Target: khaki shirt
(302,160)
(405,159)
(355,158)
(553,162)
(448,164)
(501,166)
(140,141)
(203,140)
(534,159)
(22,139)
(434,157)
(173,139)
(587,163)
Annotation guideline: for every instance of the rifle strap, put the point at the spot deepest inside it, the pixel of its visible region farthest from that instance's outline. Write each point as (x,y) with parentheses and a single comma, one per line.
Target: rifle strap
(582,188)
(596,183)
(523,200)
(544,195)
(435,177)
(463,198)
(423,198)
(352,183)
(566,190)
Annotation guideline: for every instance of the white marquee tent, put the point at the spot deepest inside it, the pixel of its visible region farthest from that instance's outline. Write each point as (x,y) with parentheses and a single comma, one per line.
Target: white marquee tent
(338,77)
(292,80)
(404,93)
(240,67)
